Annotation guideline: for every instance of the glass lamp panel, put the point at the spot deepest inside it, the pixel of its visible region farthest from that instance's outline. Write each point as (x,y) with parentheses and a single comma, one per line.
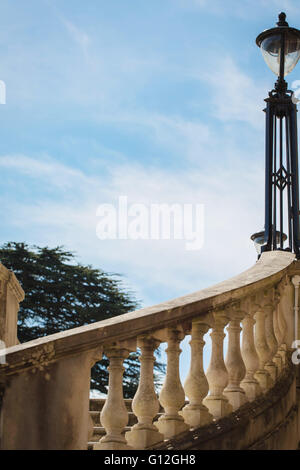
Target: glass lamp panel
(271,50)
(258,240)
(257,247)
(292,52)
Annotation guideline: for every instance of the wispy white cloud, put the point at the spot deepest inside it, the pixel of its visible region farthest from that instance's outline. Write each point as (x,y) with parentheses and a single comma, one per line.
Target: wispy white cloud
(186,137)
(155,269)
(234,94)
(77,34)
(45,170)
(110,88)
(80,37)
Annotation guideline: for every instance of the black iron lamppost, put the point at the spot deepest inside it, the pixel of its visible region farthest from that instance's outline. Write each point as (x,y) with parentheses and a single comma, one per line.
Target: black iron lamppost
(280,47)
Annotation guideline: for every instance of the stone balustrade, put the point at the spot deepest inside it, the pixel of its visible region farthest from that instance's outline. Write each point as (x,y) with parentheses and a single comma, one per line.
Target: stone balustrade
(255,309)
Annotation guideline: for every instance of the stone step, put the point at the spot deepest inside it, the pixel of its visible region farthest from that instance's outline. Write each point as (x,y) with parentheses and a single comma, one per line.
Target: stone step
(96,404)
(95,415)
(99,432)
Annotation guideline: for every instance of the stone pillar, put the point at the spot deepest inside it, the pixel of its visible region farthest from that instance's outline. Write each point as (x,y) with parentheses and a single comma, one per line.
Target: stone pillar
(145,404)
(262,375)
(270,337)
(217,374)
(249,354)
(114,415)
(11,294)
(234,362)
(172,396)
(46,406)
(196,385)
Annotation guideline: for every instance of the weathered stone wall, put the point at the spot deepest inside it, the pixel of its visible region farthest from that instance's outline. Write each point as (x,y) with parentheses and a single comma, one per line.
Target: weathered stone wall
(46,407)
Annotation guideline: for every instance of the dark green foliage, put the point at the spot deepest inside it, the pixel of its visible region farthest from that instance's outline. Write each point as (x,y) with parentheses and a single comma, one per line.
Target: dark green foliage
(61,294)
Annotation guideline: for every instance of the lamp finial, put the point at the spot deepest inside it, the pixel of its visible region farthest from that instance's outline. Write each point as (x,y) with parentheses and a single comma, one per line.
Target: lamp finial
(282,17)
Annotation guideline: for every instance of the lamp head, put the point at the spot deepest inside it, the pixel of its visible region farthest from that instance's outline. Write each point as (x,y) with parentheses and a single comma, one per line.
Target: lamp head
(259,239)
(277,41)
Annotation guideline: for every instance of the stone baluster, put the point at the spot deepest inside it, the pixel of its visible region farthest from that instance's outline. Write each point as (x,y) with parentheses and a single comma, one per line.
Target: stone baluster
(249,354)
(172,396)
(217,374)
(280,325)
(234,362)
(114,415)
(277,358)
(296,283)
(145,404)
(196,385)
(270,336)
(261,345)
(287,305)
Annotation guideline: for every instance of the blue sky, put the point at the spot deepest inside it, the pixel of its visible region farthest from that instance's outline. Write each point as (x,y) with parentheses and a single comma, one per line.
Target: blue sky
(160,101)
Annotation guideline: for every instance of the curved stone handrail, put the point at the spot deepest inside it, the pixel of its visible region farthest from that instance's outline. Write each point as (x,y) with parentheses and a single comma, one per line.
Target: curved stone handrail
(265,272)
(53,373)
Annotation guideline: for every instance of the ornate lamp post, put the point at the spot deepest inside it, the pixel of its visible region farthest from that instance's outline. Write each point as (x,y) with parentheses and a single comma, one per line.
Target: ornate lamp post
(280,47)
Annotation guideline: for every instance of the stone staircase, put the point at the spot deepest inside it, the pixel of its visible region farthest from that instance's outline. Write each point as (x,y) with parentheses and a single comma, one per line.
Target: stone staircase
(96,405)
